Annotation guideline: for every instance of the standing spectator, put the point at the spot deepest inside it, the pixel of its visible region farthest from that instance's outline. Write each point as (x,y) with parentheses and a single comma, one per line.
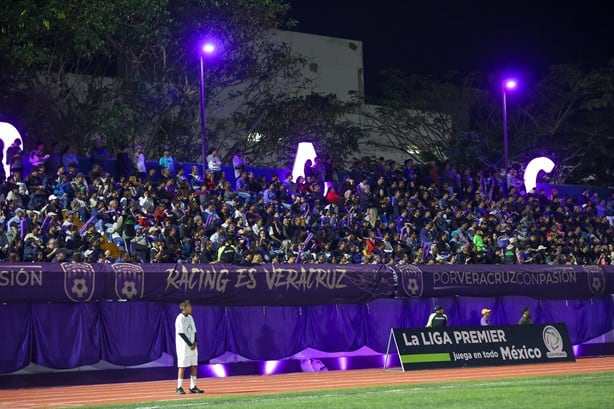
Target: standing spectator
(14,157)
(68,157)
(2,170)
(167,162)
(409,174)
(525,319)
(238,163)
(485,321)
(99,154)
(124,164)
(138,162)
(308,169)
(54,161)
(437,319)
(214,163)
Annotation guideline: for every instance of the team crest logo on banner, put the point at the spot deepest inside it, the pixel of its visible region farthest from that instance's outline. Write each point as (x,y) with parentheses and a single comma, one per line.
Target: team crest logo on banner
(129,281)
(79,281)
(596,279)
(554,342)
(410,280)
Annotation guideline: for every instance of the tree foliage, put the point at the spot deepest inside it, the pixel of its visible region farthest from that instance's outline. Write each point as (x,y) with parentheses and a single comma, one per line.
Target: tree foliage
(129,70)
(320,119)
(567,114)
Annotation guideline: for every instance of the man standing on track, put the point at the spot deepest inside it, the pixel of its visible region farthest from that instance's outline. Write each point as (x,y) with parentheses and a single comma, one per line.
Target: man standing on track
(187,352)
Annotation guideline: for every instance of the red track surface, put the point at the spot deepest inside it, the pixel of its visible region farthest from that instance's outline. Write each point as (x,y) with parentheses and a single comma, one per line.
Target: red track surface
(72,396)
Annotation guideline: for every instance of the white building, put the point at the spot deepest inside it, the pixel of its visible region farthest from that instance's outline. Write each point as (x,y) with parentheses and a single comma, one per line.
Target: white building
(335,64)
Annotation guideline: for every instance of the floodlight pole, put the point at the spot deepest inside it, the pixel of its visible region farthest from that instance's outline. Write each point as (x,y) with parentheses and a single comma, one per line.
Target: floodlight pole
(505,151)
(203,129)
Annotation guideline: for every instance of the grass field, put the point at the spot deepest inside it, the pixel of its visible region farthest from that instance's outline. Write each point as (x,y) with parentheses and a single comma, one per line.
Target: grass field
(577,392)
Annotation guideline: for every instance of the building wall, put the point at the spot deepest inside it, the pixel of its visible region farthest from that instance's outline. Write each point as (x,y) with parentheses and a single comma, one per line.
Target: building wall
(335,64)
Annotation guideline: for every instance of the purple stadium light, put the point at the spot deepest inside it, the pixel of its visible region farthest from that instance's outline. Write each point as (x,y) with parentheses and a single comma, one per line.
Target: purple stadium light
(207,49)
(509,84)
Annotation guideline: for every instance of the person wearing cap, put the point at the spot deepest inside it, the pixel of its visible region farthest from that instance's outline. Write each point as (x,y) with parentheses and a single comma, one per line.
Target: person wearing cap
(525,319)
(32,246)
(52,206)
(437,319)
(485,321)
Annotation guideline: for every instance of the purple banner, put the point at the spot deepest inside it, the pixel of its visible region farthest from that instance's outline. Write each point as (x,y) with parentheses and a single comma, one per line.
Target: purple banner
(205,284)
(554,282)
(298,284)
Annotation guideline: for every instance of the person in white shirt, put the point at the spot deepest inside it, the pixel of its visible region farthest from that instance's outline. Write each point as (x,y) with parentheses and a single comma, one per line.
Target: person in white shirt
(214,163)
(187,352)
(138,161)
(238,163)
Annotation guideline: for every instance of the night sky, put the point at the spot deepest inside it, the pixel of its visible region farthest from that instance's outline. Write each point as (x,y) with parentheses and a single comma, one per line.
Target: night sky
(435,37)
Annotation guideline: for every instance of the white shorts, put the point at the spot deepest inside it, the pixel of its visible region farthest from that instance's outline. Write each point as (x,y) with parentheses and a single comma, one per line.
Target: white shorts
(187,358)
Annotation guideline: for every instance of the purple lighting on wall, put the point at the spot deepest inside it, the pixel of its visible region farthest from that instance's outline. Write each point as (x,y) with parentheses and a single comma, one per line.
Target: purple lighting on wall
(220,371)
(576,350)
(213,371)
(270,367)
(343,363)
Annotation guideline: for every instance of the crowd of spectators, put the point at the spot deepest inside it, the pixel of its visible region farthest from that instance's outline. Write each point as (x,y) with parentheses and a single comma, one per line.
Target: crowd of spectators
(372,213)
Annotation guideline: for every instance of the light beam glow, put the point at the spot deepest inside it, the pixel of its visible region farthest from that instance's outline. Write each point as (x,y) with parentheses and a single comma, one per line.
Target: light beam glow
(535,166)
(270,367)
(219,371)
(208,48)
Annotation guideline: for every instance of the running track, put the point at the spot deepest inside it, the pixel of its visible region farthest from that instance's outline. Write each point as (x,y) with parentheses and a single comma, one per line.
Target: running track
(72,396)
